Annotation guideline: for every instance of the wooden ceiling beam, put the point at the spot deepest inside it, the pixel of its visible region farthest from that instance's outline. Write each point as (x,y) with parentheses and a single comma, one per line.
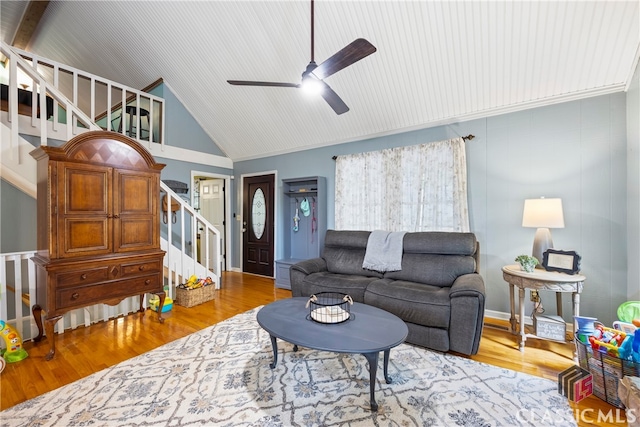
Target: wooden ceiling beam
(32,16)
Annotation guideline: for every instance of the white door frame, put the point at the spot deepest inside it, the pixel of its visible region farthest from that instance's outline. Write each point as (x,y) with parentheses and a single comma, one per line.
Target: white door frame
(227,209)
(276,197)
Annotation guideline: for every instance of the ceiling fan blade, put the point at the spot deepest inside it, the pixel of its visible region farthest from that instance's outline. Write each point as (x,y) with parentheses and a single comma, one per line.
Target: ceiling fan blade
(334,100)
(252,83)
(350,54)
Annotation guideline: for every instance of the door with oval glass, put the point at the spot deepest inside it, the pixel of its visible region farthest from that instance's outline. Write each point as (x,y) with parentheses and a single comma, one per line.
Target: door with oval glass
(257,225)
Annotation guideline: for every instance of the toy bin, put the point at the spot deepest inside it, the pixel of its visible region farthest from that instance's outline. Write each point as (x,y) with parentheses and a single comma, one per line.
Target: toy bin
(607,371)
(190,297)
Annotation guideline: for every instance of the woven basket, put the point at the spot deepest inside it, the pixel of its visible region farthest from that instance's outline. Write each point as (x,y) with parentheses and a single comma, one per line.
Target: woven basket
(191,297)
(607,371)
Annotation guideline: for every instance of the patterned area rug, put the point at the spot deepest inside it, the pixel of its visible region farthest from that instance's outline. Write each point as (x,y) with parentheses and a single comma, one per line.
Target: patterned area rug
(220,376)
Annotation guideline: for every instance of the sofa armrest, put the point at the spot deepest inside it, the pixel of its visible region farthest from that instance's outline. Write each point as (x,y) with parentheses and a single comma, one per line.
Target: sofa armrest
(309,266)
(468,285)
(467,313)
(299,271)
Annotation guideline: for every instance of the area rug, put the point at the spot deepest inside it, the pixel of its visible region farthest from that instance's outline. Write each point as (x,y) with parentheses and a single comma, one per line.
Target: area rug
(220,376)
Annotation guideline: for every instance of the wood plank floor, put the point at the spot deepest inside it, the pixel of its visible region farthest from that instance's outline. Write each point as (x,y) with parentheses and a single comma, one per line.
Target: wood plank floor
(84,351)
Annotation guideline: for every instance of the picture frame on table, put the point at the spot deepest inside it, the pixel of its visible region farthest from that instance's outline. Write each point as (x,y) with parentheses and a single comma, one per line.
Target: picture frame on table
(561,261)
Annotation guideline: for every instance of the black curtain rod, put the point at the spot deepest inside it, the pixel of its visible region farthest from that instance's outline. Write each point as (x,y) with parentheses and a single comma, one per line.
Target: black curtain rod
(466,138)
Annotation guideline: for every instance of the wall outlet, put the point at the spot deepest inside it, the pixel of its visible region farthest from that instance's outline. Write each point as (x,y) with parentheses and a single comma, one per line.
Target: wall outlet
(534,296)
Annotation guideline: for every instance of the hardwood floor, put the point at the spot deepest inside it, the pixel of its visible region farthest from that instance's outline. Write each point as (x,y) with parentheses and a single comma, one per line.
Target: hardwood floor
(84,351)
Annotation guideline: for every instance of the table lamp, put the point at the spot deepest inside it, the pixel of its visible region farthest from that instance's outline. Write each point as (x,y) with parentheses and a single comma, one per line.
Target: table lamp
(542,214)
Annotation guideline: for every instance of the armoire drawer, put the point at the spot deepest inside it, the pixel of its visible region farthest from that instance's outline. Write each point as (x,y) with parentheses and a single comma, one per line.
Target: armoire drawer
(137,268)
(85,295)
(83,277)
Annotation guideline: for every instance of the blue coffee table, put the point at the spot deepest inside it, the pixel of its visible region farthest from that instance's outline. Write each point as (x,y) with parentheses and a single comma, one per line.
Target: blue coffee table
(368,331)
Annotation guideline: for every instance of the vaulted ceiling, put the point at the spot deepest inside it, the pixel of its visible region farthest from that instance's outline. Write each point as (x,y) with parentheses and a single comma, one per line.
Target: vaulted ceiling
(437,62)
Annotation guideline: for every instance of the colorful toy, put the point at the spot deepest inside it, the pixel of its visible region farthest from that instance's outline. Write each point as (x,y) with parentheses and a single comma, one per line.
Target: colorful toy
(627,311)
(14,351)
(627,328)
(635,346)
(607,340)
(194,282)
(154,302)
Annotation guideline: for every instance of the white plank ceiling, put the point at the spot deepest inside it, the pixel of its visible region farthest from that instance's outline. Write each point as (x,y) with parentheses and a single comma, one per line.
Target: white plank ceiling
(437,62)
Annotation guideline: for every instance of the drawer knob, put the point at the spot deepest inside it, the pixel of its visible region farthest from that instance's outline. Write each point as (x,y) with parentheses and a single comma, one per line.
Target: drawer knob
(75,295)
(141,268)
(83,276)
(146,282)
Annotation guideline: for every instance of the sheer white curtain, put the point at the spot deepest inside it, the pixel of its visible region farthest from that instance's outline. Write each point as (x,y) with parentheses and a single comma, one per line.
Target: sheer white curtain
(416,188)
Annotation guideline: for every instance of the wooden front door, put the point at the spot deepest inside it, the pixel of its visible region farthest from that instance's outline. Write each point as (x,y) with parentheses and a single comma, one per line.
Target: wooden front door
(257,225)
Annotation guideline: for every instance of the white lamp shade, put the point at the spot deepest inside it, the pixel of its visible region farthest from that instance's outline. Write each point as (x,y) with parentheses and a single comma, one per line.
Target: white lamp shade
(543,213)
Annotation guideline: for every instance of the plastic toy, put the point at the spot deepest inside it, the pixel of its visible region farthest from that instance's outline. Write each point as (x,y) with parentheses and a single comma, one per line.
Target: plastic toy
(627,328)
(635,346)
(194,283)
(607,340)
(14,351)
(626,349)
(627,311)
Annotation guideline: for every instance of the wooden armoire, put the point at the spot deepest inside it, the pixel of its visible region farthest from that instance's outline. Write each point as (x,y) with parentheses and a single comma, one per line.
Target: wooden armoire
(98,226)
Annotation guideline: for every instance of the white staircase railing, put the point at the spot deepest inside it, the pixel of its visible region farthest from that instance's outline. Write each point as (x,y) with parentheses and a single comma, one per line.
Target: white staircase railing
(39,92)
(87,100)
(18,294)
(184,228)
(21,175)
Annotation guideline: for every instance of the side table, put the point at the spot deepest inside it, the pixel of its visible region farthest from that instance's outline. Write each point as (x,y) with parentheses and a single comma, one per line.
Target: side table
(540,279)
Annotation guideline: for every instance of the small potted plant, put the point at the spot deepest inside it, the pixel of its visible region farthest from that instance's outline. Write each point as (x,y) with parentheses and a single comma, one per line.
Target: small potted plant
(527,262)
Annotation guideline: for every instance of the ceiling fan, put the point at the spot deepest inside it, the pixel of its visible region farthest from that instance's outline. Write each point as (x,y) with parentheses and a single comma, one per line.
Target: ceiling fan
(314,75)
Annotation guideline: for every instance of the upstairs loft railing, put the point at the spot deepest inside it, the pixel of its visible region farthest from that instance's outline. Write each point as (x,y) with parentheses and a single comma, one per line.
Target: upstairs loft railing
(77,99)
(75,117)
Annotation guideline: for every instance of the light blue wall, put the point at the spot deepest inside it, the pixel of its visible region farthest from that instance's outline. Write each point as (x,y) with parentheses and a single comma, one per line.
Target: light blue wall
(182,130)
(575,151)
(18,220)
(633,187)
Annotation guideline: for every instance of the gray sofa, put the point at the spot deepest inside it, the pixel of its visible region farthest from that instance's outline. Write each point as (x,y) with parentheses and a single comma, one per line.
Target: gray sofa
(438,293)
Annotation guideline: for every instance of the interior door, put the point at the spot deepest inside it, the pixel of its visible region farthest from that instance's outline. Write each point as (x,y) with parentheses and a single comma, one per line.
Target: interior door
(257,225)
(212,197)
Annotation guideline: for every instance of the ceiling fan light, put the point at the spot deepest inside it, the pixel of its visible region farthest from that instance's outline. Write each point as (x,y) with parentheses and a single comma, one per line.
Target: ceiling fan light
(311,86)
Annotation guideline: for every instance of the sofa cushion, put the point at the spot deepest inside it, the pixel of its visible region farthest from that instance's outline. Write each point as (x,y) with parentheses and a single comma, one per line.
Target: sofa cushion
(433,269)
(344,252)
(440,242)
(331,282)
(412,302)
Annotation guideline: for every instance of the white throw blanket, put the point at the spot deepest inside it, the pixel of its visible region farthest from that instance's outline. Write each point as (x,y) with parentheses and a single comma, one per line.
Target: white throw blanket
(384,251)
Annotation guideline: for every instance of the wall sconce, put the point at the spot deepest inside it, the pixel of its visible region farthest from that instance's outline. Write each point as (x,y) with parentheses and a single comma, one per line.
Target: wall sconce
(542,214)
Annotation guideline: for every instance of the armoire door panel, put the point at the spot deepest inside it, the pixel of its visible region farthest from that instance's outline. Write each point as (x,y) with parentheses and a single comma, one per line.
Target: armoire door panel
(134,233)
(134,192)
(85,236)
(86,189)
(136,224)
